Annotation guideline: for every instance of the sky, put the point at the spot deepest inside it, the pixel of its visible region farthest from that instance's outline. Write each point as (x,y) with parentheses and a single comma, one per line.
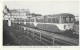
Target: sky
(45,7)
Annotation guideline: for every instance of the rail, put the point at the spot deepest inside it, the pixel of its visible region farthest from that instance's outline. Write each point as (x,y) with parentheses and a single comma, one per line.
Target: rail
(42,36)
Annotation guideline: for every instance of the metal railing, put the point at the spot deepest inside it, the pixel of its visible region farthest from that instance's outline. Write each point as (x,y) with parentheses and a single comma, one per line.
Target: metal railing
(46,39)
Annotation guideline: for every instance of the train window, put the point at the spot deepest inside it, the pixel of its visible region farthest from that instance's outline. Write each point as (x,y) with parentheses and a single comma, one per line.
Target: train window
(67,20)
(31,20)
(71,20)
(53,20)
(39,20)
(49,20)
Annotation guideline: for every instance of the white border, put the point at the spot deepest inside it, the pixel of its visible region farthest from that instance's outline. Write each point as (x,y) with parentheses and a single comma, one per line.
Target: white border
(30,47)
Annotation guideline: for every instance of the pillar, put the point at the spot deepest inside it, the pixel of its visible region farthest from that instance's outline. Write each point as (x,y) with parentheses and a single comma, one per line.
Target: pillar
(9,22)
(60,19)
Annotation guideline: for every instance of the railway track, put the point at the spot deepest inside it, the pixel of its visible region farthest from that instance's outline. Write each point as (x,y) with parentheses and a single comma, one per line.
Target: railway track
(47,38)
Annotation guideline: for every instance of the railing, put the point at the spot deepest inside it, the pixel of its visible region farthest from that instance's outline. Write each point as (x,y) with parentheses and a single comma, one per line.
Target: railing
(42,36)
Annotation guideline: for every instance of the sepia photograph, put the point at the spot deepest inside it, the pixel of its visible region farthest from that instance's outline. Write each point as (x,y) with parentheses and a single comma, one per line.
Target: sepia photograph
(40,23)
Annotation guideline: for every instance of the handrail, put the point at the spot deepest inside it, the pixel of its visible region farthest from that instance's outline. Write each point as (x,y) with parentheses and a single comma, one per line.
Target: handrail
(40,32)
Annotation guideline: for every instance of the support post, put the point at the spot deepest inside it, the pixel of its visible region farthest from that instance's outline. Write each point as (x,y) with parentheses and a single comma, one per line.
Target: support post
(24,29)
(9,22)
(27,31)
(60,19)
(40,35)
(33,33)
(53,38)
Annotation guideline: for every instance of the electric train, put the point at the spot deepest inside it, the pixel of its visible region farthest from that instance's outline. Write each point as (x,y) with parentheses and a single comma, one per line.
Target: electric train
(53,23)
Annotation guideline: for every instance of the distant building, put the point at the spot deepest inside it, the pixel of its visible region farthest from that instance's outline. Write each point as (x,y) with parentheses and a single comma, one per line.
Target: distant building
(19,13)
(35,15)
(16,14)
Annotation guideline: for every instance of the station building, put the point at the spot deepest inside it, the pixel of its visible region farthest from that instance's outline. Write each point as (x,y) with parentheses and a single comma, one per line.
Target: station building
(15,14)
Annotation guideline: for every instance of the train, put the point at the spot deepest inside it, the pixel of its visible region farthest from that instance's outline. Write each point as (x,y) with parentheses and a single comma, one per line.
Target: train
(53,23)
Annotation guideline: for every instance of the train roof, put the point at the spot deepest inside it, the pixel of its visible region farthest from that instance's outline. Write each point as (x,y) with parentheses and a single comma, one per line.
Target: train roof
(63,14)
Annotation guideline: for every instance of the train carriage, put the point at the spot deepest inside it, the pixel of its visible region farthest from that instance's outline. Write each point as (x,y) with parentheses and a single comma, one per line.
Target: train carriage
(57,23)
(53,23)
